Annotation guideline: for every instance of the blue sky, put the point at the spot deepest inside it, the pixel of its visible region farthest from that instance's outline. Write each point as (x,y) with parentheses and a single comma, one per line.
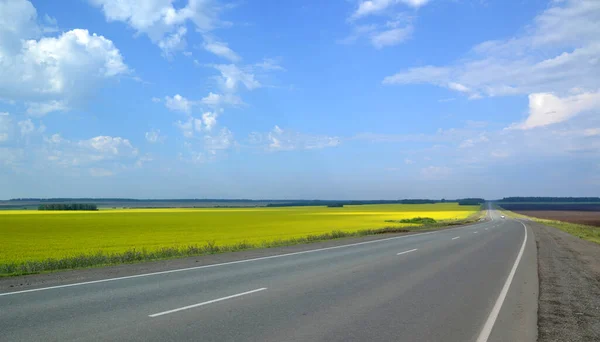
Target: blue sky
(341,99)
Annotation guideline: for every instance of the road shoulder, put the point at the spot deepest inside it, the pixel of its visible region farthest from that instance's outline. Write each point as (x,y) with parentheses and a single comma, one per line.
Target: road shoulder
(569,276)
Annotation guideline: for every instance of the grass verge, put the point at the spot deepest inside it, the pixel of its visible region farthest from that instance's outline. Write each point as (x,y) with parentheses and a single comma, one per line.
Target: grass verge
(134,255)
(582,231)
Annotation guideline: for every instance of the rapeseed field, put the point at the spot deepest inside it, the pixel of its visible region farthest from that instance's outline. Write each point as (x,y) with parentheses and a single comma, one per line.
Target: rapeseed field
(29,235)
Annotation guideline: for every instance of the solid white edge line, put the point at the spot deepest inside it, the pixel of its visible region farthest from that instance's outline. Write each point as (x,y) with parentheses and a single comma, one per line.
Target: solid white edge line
(456,237)
(227,263)
(412,250)
(491,320)
(205,303)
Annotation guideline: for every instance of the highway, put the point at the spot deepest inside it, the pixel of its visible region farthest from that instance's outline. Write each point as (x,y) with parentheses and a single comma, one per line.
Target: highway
(472,283)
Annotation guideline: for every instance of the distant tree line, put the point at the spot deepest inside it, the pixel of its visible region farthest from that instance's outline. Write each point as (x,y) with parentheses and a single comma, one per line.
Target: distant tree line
(471,201)
(67,206)
(550,199)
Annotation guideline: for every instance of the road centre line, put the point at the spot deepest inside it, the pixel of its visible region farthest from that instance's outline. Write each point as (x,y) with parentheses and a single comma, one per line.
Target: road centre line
(412,250)
(456,237)
(491,320)
(228,263)
(206,303)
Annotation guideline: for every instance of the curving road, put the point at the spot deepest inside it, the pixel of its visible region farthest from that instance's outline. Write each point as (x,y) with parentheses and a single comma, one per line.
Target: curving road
(473,283)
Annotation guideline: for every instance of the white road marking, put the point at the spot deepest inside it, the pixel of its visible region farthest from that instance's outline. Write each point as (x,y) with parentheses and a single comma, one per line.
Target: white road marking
(412,250)
(475,232)
(225,263)
(486,229)
(205,303)
(491,320)
(456,237)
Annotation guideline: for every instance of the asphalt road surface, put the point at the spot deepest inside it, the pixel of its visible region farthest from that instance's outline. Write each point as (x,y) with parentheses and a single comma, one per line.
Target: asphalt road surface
(474,283)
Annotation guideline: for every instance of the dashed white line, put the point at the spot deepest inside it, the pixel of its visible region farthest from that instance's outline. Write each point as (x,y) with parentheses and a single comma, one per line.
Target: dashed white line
(456,237)
(205,303)
(491,320)
(412,250)
(474,232)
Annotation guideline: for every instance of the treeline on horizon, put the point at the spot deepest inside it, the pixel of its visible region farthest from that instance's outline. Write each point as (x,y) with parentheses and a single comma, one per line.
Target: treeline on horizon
(68,206)
(551,199)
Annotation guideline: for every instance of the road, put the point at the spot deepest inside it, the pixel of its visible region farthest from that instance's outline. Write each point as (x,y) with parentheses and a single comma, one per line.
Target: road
(473,283)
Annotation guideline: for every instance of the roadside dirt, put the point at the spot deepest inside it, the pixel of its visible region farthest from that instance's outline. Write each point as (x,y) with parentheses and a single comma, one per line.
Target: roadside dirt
(569,278)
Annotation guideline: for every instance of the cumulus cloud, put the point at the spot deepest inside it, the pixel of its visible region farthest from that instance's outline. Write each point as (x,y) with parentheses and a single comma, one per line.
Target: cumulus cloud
(555,54)
(279,139)
(179,103)
(221,141)
(49,73)
(160,20)
(546,109)
(92,152)
(192,125)
(221,100)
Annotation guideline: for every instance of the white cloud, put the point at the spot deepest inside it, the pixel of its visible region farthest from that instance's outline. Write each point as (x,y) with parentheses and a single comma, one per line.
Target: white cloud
(43,108)
(160,20)
(370,7)
(231,76)
(100,172)
(173,42)
(107,145)
(26,127)
(204,124)
(178,103)
(557,53)
(279,139)
(221,141)
(391,37)
(5,126)
(210,120)
(186,127)
(382,35)
(220,49)
(408,161)
(546,109)
(270,64)
(156,100)
(154,136)
(61,68)
(95,151)
(219,100)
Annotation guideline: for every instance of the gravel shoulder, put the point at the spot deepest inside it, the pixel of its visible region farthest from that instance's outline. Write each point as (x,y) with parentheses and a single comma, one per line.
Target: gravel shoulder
(569,280)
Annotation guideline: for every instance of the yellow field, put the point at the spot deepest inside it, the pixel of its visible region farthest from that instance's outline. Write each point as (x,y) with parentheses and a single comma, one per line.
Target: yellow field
(28,235)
